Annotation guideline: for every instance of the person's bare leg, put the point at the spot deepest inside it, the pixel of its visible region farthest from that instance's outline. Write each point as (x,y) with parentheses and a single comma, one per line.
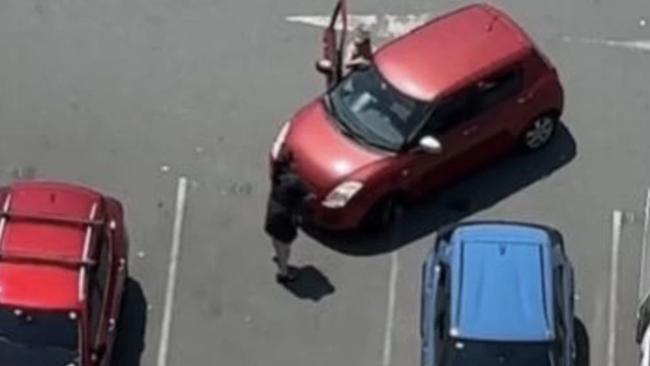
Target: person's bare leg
(282,253)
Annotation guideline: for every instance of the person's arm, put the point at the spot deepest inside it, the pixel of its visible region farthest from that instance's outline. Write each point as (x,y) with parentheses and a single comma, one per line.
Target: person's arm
(348,56)
(304,200)
(360,55)
(358,61)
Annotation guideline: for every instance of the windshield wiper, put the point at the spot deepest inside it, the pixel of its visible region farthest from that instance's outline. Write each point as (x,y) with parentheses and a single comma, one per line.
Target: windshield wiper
(364,137)
(361,138)
(377,144)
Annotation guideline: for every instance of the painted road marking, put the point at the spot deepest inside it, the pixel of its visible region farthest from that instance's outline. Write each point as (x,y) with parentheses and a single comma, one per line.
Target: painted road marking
(639,45)
(644,245)
(617,221)
(390,313)
(181,195)
(383,26)
(389,26)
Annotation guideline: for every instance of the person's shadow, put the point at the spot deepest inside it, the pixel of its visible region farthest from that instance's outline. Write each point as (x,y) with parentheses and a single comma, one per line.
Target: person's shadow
(131,326)
(475,193)
(311,284)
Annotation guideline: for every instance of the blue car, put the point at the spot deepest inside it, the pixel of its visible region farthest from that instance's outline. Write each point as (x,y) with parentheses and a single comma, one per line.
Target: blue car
(497,294)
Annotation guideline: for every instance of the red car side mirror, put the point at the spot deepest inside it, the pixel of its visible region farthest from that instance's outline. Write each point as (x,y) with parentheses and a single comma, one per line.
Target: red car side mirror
(324,66)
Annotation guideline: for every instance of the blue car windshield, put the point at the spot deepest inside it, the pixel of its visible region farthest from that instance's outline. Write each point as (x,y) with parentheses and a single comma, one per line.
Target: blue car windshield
(484,353)
(373,111)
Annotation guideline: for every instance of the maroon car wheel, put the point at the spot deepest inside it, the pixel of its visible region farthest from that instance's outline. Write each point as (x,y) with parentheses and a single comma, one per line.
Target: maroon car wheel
(540,132)
(384,214)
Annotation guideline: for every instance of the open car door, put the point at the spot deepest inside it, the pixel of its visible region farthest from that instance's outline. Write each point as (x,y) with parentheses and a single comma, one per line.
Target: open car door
(334,43)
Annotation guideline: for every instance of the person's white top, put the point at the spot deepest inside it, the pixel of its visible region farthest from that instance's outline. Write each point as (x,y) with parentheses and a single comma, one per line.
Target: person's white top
(350,50)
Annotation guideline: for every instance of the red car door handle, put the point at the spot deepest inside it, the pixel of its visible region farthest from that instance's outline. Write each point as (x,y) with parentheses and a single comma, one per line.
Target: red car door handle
(470,130)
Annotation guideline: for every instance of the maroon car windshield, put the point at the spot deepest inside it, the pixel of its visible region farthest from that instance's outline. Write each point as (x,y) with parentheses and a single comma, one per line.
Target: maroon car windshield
(37,338)
(374,112)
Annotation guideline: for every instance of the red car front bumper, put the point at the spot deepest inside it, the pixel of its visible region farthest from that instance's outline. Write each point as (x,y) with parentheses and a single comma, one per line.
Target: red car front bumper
(334,219)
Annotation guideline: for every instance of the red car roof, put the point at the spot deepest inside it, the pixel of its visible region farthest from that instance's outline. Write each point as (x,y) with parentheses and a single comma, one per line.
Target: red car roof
(41,284)
(447,52)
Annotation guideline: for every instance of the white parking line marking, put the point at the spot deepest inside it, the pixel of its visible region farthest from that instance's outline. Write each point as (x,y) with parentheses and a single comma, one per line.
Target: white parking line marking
(390,313)
(617,221)
(383,26)
(181,195)
(393,25)
(644,245)
(323,21)
(640,45)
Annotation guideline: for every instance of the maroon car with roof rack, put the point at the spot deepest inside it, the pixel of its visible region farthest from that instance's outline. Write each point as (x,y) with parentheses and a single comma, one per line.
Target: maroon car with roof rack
(63,266)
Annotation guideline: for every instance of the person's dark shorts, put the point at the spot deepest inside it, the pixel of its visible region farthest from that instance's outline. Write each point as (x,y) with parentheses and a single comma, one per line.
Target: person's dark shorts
(281,228)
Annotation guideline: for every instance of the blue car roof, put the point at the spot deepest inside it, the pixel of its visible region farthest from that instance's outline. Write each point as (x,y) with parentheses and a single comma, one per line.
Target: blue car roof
(501,283)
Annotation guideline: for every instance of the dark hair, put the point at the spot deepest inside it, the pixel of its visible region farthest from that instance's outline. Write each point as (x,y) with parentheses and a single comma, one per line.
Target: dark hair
(282,165)
(285,158)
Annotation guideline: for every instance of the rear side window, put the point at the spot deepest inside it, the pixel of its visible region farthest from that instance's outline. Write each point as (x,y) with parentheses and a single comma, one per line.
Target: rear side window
(98,285)
(453,110)
(443,299)
(494,90)
(558,286)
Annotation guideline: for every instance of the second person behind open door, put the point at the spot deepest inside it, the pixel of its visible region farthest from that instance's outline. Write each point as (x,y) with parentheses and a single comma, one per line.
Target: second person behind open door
(358,53)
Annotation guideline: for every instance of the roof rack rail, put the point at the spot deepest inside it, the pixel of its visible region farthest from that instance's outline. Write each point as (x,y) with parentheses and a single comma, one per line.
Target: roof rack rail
(85,253)
(30,257)
(6,214)
(27,257)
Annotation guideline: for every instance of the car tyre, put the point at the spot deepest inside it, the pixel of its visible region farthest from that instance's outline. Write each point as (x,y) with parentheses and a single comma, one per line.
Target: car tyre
(582,348)
(539,132)
(384,214)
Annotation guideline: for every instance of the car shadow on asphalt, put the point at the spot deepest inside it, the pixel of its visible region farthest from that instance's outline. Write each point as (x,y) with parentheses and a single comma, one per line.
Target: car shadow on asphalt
(582,343)
(311,284)
(468,196)
(131,327)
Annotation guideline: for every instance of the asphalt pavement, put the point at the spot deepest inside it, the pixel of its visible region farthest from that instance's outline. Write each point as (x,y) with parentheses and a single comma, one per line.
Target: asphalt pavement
(133,97)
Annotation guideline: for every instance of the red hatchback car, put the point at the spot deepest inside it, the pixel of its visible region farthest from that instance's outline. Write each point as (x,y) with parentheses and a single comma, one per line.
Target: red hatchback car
(63,265)
(435,104)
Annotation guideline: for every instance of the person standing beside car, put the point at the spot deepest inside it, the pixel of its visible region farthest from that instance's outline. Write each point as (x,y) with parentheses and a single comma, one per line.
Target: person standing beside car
(358,53)
(286,206)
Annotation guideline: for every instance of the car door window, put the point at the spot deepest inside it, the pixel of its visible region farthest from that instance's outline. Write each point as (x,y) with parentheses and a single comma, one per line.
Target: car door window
(442,319)
(442,302)
(498,88)
(99,282)
(451,111)
(558,286)
(95,306)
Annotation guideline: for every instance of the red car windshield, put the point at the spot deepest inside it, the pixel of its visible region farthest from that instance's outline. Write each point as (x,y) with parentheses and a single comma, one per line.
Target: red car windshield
(37,338)
(372,110)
